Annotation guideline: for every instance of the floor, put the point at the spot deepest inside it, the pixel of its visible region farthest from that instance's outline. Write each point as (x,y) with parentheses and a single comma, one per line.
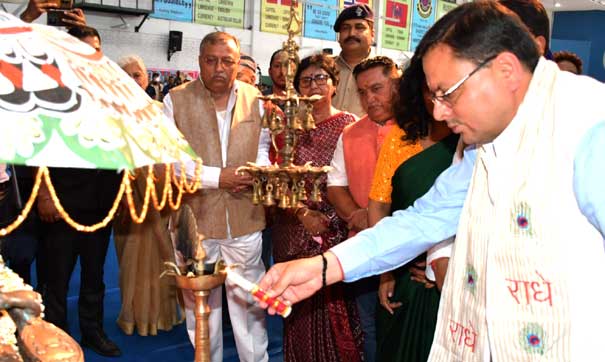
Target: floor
(172,346)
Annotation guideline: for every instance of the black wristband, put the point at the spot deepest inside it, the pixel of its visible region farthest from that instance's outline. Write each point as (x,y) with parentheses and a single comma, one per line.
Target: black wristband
(323,270)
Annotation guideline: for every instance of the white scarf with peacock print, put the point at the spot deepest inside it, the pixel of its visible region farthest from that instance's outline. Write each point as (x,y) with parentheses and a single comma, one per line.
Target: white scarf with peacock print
(523,283)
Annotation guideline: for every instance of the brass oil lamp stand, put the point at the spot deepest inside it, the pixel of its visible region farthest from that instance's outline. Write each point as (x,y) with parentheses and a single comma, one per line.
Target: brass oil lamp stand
(201,285)
(284,184)
(194,275)
(201,278)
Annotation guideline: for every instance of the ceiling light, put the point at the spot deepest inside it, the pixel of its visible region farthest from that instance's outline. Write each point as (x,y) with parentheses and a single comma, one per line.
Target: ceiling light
(557,4)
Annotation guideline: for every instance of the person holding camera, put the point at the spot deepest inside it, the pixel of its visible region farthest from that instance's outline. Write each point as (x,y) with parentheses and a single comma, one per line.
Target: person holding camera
(66,15)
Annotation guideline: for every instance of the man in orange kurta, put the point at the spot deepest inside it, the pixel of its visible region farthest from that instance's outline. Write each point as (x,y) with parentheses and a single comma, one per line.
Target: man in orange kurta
(353,169)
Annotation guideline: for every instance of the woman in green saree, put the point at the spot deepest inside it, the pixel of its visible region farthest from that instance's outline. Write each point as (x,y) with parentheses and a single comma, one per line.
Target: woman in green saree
(409,301)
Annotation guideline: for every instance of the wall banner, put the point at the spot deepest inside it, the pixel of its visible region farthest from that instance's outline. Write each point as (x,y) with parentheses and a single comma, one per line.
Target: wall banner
(396,29)
(346,3)
(443,6)
(320,16)
(423,17)
(177,10)
(275,14)
(229,13)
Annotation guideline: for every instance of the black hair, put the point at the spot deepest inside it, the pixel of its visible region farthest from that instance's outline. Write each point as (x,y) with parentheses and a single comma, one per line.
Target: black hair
(482,29)
(410,111)
(82,32)
(573,58)
(389,68)
(296,59)
(319,60)
(274,55)
(533,14)
(474,31)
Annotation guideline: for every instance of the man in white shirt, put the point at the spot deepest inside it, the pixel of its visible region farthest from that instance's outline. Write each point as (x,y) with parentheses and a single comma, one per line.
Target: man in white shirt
(220,117)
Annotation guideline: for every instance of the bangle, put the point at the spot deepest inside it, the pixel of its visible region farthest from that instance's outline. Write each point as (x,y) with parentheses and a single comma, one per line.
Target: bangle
(323,270)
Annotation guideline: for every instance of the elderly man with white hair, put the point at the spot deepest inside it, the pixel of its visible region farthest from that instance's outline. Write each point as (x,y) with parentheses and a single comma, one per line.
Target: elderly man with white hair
(148,302)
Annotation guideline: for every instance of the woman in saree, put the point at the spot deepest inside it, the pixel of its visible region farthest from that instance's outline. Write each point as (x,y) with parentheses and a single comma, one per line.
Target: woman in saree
(324,327)
(406,321)
(149,303)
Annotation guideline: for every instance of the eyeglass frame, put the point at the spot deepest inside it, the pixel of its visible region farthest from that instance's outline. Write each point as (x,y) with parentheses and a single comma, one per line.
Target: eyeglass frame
(443,98)
(319,79)
(215,61)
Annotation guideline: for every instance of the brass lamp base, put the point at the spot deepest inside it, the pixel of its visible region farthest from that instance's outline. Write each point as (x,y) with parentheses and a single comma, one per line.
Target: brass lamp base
(201,286)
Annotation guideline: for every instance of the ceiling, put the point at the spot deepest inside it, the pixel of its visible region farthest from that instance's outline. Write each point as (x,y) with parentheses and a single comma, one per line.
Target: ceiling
(566,5)
(574,5)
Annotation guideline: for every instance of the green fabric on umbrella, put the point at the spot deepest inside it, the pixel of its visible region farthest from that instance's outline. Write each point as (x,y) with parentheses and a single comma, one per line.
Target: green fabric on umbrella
(62,104)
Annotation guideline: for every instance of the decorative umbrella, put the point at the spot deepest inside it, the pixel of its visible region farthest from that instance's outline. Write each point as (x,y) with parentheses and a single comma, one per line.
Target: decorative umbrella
(62,104)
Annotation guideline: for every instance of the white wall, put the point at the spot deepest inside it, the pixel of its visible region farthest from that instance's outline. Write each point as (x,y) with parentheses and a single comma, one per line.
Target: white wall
(151,42)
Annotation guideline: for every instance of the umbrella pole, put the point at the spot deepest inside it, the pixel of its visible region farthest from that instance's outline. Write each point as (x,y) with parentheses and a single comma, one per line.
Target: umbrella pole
(18,200)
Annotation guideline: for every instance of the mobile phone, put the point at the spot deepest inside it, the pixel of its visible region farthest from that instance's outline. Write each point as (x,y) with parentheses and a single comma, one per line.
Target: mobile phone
(56,15)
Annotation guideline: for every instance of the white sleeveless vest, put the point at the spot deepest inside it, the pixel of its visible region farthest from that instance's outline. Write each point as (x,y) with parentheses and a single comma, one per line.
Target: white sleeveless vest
(525,279)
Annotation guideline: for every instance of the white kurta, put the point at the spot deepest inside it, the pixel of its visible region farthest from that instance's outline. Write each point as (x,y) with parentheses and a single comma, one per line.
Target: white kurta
(247,318)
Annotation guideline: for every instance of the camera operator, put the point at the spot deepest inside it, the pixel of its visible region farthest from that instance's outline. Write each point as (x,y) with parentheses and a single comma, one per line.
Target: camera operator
(35,8)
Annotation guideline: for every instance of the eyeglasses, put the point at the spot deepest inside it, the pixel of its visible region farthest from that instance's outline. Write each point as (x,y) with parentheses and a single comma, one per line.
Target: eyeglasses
(320,79)
(445,97)
(213,61)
